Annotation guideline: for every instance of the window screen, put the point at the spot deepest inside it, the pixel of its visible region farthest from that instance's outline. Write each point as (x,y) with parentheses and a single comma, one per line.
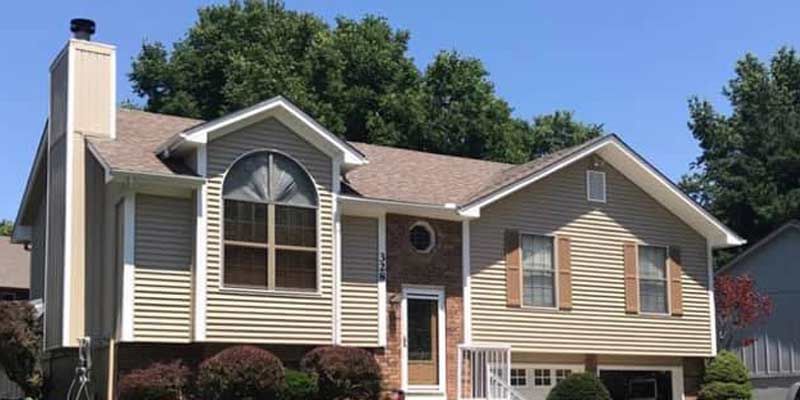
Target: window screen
(653,279)
(596,186)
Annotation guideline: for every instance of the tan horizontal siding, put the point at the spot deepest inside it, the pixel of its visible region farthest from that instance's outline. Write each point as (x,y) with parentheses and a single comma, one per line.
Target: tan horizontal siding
(260,317)
(163,273)
(359,281)
(598,322)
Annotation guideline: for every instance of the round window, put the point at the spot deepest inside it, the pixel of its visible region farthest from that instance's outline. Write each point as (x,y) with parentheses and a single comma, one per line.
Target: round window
(421,237)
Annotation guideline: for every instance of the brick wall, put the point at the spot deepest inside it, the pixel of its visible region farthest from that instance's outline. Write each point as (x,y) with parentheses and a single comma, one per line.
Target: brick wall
(440,267)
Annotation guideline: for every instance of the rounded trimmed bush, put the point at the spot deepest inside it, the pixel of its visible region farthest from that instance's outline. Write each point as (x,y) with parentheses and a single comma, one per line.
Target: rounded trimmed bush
(726,378)
(299,386)
(241,372)
(581,386)
(344,373)
(159,381)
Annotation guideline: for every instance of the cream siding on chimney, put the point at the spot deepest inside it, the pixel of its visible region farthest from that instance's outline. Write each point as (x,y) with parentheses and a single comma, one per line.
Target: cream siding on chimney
(598,322)
(257,316)
(359,281)
(93,80)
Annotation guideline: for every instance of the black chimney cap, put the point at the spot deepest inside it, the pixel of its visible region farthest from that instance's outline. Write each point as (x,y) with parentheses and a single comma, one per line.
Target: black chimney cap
(82,28)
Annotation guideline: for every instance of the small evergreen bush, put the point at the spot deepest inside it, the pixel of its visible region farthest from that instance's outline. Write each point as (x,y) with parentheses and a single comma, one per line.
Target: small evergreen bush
(344,373)
(726,378)
(581,386)
(239,373)
(156,382)
(299,386)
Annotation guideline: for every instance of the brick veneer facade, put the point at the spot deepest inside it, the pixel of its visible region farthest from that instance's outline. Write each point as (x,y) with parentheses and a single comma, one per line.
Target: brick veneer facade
(440,267)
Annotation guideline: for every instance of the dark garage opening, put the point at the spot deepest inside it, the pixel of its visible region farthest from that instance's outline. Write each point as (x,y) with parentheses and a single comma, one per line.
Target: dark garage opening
(638,385)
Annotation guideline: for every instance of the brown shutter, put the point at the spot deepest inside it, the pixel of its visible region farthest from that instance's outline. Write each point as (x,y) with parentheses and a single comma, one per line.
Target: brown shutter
(513,270)
(675,281)
(631,281)
(564,273)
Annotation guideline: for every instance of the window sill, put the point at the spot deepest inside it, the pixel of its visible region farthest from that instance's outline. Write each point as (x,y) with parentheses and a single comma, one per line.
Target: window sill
(540,309)
(650,315)
(270,293)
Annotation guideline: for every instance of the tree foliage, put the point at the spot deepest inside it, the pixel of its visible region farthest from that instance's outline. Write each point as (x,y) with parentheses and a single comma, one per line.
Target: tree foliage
(21,346)
(748,174)
(739,305)
(6,227)
(355,78)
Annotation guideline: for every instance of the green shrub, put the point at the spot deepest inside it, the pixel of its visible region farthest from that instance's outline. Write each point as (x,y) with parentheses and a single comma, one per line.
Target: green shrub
(582,386)
(241,372)
(299,386)
(344,373)
(156,382)
(21,346)
(726,378)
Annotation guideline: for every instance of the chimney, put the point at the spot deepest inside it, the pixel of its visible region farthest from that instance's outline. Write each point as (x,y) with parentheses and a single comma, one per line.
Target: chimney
(82,28)
(82,105)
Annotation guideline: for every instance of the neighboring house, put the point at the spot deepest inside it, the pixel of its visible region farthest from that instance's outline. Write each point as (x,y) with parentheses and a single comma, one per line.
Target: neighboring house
(164,237)
(774,358)
(14,285)
(15,265)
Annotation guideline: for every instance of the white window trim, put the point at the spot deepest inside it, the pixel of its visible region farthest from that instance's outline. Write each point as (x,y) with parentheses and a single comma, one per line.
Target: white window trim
(427,226)
(555,306)
(602,174)
(675,370)
(667,286)
(432,293)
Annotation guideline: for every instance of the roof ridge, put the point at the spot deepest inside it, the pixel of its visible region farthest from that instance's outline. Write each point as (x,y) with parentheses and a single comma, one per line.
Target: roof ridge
(158,114)
(357,143)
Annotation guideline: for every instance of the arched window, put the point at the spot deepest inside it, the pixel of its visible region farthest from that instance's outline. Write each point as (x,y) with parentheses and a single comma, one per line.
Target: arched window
(270,224)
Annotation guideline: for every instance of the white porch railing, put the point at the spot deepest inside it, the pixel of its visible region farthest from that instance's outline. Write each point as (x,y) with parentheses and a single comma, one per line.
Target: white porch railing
(484,372)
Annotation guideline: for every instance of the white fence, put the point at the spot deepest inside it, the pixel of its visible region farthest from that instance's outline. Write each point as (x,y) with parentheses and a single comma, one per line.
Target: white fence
(484,372)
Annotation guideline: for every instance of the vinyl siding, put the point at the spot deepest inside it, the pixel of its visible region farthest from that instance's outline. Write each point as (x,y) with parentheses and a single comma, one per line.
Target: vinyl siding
(95,243)
(54,293)
(163,272)
(598,322)
(359,281)
(258,316)
(39,230)
(94,75)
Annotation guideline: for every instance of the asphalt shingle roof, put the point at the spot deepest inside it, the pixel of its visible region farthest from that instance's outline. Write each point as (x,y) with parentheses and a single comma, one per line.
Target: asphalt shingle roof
(391,174)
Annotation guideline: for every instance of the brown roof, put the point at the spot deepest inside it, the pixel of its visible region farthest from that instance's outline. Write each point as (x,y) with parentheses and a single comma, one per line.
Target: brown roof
(139,133)
(392,173)
(419,177)
(14,264)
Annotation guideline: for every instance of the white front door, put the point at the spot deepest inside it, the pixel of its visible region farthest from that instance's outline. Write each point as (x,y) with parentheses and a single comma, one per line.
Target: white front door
(423,340)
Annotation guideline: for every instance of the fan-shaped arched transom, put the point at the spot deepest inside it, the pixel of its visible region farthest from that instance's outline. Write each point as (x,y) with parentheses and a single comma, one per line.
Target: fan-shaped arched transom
(270,223)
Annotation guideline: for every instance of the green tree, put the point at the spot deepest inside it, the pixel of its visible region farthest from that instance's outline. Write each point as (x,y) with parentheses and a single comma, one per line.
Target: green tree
(748,174)
(355,78)
(6,227)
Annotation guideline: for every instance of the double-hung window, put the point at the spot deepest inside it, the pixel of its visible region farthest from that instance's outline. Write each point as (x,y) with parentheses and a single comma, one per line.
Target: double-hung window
(653,279)
(270,232)
(538,271)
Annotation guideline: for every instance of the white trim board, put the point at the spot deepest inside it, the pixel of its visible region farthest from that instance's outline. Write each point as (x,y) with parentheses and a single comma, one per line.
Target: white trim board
(382,296)
(280,108)
(431,293)
(201,249)
(129,266)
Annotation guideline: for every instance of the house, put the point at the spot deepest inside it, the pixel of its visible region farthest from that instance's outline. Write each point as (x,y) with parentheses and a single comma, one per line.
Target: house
(773,359)
(14,271)
(164,237)
(14,286)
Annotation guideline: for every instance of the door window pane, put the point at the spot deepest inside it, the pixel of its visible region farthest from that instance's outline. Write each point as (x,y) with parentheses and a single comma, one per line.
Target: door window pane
(422,341)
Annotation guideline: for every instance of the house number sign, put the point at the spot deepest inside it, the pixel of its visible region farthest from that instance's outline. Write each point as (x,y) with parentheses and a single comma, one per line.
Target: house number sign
(382,267)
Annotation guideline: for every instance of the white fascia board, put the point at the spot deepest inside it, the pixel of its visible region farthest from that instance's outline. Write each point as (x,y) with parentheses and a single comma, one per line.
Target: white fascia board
(369,207)
(41,150)
(201,133)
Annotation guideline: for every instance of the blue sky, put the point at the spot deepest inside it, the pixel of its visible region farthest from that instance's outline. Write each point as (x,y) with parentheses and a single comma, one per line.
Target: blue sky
(630,65)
